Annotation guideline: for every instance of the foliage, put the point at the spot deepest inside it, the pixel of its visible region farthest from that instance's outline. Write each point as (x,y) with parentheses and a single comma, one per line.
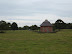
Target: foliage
(34,27)
(59,24)
(69,26)
(20,28)
(4,26)
(26,27)
(14,26)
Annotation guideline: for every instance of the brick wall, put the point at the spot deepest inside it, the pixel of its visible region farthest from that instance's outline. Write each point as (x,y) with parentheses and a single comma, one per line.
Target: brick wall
(46,29)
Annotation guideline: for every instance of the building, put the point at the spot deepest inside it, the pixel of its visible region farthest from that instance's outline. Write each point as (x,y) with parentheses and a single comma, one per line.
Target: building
(46,26)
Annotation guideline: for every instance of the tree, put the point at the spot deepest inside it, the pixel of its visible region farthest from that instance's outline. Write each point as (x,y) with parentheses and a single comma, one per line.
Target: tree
(3,26)
(69,26)
(14,26)
(8,26)
(26,27)
(20,28)
(59,24)
(34,27)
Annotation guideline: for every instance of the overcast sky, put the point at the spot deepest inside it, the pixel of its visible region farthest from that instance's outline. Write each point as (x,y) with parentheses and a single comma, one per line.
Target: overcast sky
(30,12)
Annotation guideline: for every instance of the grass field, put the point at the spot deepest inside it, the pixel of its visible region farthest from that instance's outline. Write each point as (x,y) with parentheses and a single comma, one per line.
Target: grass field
(28,42)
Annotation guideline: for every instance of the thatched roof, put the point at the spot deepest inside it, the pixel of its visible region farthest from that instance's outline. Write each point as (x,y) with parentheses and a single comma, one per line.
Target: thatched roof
(46,23)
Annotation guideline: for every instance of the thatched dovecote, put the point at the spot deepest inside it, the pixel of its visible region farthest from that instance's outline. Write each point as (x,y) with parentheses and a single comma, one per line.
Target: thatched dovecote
(46,26)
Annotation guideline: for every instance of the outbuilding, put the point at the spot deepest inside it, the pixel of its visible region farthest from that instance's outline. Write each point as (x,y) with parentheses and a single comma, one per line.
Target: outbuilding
(46,26)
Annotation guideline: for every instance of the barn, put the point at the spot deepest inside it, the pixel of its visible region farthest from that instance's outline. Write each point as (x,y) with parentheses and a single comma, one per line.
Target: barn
(46,26)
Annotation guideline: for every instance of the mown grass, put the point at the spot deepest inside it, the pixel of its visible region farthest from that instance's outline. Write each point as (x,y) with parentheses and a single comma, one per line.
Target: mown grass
(29,42)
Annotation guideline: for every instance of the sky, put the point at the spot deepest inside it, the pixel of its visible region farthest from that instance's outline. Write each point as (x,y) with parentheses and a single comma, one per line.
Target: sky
(31,12)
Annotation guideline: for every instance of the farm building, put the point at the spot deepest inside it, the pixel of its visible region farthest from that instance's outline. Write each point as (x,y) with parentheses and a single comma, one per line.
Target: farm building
(46,26)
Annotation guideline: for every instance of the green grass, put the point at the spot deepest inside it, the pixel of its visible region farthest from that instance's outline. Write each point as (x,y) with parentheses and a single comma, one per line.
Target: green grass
(28,42)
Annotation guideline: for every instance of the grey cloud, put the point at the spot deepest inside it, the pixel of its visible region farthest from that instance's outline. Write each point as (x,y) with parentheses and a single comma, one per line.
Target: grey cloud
(20,8)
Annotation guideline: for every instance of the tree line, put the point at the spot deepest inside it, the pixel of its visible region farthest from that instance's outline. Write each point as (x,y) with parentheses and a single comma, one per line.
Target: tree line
(33,27)
(13,26)
(59,24)
(8,26)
